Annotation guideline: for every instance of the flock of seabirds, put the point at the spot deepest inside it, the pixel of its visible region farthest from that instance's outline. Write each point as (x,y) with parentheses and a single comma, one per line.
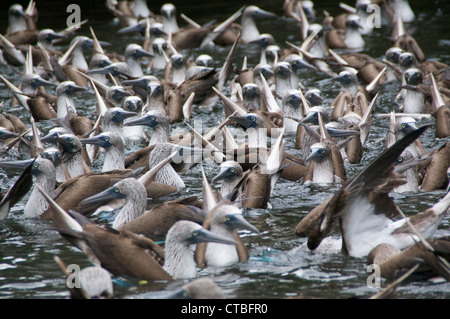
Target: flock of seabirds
(141,94)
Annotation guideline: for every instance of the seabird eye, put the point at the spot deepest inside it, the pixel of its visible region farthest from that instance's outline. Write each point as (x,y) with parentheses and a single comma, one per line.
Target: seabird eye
(153,117)
(403,125)
(322,151)
(194,234)
(400,159)
(36,165)
(252,118)
(107,138)
(232,170)
(116,190)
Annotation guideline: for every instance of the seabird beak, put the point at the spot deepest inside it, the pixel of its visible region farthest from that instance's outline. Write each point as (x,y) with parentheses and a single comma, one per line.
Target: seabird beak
(50,137)
(237,221)
(311,117)
(65,141)
(5,134)
(316,154)
(224,174)
(140,53)
(120,115)
(334,132)
(138,27)
(247,121)
(110,69)
(16,164)
(103,197)
(261,14)
(73,89)
(203,235)
(147,120)
(37,82)
(97,140)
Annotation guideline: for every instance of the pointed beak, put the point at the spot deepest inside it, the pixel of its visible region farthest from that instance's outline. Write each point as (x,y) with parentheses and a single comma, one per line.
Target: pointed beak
(224,174)
(315,99)
(122,115)
(106,70)
(204,235)
(96,140)
(41,82)
(73,89)
(102,197)
(53,35)
(146,120)
(245,121)
(334,132)
(51,137)
(302,64)
(315,155)
(64,142)
(141,53)
(142,82)
(311,117)
(20,165)
(5,134)
(261,14)
(237,221)
(138,27)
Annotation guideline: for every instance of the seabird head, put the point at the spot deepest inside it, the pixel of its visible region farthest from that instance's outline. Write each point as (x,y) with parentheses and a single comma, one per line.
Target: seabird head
(407,60)
(318,152)
(133,104)
(116,115)
(283,70)
(68,88)
(292,99)
(413,76)
(188,233)
(53,154)
(53,133)
(251,120)
(264,40)
(34,81)
(205,60)
(69,143)
(404,125)
(346,78)
(229,170)
(297,62)
(135,51)
(313,96)
(353,21)
(116,94)
(231,217)
(393,55)
(46,37)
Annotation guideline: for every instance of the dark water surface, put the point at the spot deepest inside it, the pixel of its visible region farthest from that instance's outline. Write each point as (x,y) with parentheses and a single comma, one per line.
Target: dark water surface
(280,265)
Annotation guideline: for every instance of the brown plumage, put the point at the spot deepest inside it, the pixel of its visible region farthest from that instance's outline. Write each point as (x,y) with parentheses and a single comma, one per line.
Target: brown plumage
(393,263)
(70,193)
(158,220)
